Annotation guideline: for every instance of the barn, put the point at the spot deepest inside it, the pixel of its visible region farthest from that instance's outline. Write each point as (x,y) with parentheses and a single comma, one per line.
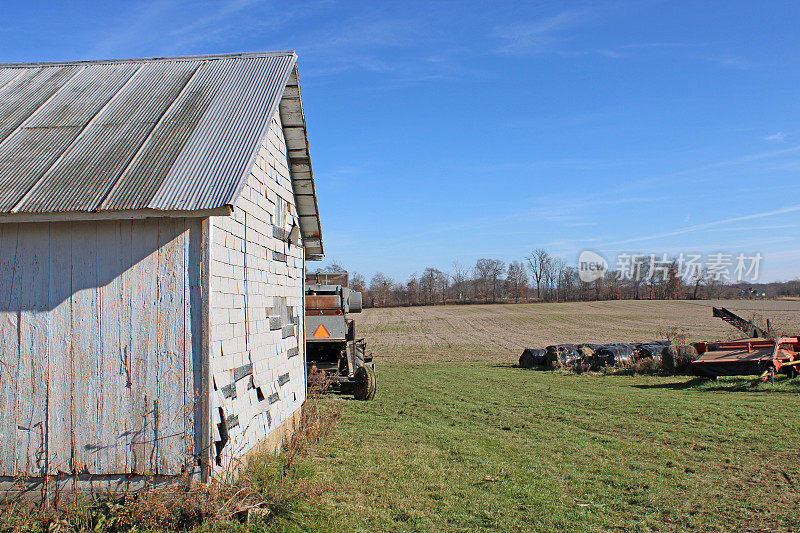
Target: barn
(155,219)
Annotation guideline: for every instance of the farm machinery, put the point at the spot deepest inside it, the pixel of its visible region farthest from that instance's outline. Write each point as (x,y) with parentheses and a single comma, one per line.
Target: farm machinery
(333,353)
(759,354)
(766,357)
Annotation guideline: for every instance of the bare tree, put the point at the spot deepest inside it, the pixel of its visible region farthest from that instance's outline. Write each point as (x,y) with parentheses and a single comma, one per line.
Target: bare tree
(516,280)
(357,282)
(538,262)
(428,282)
(555,270)
(412,289)
(380,289)
(713,285)
(569,282)
(442,284)
(483,278)
(460,277)
(498,268)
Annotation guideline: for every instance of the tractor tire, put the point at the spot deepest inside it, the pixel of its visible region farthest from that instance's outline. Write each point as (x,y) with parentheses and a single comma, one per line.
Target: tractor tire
(365,383)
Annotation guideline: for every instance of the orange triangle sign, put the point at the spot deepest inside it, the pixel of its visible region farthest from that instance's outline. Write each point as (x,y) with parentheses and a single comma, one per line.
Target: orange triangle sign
(321,332)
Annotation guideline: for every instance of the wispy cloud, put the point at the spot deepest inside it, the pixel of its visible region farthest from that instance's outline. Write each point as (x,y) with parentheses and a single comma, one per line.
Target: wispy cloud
(778,137)
(708,225)
(625,50)
(538,35)
(164,27)
(730,61)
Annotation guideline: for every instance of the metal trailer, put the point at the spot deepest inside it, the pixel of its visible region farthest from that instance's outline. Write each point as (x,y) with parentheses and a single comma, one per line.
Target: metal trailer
(747,357)
(331,344)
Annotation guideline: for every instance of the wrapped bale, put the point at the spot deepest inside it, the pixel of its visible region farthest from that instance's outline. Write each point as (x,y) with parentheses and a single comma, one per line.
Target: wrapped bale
(532,357)
(650,350)
(589,358)
(561,355)
(585,361)
(614,354)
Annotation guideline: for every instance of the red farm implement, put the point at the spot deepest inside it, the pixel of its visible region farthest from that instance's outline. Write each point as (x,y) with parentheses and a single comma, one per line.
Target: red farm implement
(764,357)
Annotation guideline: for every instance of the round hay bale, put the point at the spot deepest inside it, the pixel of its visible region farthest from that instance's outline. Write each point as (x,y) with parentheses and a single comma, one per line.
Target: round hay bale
(685,355)
(532,357)
(669,356)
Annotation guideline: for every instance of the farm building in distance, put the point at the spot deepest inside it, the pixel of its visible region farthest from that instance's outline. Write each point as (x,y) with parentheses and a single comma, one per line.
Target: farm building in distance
(155,216)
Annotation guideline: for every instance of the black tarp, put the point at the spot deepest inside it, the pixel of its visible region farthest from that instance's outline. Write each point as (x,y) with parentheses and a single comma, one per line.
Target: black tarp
(651,349)
(563,353)
(615,354)
(532,357)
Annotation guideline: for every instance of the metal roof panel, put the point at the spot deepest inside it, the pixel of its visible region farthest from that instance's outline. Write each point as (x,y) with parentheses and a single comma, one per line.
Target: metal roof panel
(161,134)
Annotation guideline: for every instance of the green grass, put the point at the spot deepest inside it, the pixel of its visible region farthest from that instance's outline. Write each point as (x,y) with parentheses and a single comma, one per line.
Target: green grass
(482,447)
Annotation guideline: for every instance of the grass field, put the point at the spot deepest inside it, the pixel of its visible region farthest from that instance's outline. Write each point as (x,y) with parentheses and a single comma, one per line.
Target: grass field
(460,440)
(476,447)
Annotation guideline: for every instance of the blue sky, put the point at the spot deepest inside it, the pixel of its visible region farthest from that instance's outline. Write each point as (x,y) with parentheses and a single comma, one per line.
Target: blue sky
(446,131)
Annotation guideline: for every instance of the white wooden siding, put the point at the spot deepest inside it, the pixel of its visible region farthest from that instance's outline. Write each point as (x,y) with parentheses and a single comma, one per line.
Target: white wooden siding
(99,337)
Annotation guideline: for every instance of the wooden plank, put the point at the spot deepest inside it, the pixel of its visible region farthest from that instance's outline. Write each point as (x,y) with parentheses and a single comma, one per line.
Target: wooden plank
(9,347)
(60,382)
(33,256)
(143,295)
(170,347)
(86,365)
(206,439)
(193,326)
(113,239)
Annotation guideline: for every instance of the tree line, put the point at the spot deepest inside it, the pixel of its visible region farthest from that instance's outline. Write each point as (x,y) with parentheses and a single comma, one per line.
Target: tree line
(541,276)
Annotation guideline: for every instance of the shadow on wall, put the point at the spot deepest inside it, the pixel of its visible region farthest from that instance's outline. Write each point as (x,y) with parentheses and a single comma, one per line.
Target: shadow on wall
(44,264)
(100,331)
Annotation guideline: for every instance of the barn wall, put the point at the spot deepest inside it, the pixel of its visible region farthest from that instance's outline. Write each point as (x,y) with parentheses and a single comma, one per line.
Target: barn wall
(257,358)
(99,328)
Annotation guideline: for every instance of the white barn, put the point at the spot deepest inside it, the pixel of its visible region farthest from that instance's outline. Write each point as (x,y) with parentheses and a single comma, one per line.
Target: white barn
(155,216)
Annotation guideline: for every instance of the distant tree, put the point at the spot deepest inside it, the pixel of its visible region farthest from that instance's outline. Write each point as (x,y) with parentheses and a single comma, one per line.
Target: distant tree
(569,283)
(428,283)
(357,282)
(639,273)
(516,280)
(412,289)
(334,266)
(460,277)
(380,289)
(554,271)
(538,262)
(498,268)
(442,284)
(483,278)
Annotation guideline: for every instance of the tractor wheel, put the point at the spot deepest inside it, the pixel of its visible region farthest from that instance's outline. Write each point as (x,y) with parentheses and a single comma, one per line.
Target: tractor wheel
(365,383)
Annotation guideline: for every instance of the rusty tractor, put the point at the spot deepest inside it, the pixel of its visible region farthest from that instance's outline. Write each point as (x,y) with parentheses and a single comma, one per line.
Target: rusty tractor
(332,350)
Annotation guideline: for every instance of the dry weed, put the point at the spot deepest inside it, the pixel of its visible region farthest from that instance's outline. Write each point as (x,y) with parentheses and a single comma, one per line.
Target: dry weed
(281,484)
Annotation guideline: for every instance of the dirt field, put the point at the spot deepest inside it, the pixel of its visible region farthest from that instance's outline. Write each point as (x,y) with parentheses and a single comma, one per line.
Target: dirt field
(500,332)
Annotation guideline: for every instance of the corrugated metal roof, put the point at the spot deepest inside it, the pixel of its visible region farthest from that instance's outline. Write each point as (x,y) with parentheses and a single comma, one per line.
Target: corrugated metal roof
(160,134)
